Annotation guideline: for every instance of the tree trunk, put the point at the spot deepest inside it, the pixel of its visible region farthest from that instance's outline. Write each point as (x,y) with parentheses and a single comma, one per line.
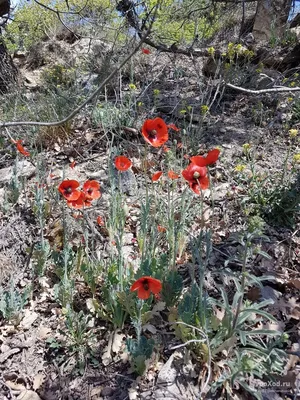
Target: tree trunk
(8,71)
(270,19)
(4,7)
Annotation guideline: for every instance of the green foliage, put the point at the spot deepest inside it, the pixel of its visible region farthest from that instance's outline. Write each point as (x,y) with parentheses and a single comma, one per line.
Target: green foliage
(58,75)
(76,341)
(33,22)
(111,117)
(180,21)
(172,287)
(229,326)
(12,302)
(273,196)
(296,111)
(140,351)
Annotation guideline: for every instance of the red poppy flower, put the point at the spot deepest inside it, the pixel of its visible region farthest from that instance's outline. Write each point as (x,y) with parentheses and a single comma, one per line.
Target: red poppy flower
(20,148)
(145,51)
(91,189)
(122,163)
(161,229)
(197,177)
(145,285)
(68,189)
(174,127)
(211,158)
(173,175)
(156,176)
(72,165)
(155,132)
(81,202)
(100,221)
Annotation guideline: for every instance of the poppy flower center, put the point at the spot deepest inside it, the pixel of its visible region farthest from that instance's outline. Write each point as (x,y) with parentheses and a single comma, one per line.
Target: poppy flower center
(152,134)
(146,284)
(68,190)
(196,175)
(90,190)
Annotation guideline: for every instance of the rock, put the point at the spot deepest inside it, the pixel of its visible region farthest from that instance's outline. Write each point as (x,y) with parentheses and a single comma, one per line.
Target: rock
(67,35)
(124,181)
(23,168)
(270,19)
(168,373)
(107,391)
(261,81)
(295,21)
(296,31)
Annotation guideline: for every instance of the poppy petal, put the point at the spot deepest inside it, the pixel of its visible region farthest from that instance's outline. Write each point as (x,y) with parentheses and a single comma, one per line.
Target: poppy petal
(145,51)
(156,176)
(199,160)
(174,127)
(122,163)
(135,286)
(155,132)
(143,294)
(173,175)
(155,285)
(212,156)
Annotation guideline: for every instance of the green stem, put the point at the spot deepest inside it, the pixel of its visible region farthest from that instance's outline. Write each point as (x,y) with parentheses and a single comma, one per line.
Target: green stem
(139,324)
(243,284)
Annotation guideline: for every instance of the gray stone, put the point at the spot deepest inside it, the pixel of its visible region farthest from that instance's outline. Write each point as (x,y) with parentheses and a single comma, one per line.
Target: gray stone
(23,168)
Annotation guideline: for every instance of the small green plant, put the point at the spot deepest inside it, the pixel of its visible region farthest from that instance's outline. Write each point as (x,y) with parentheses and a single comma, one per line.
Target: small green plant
(76,343)
(273,196)
(12,302)
(111,117)
(140,351)
(215,327)
(59,76)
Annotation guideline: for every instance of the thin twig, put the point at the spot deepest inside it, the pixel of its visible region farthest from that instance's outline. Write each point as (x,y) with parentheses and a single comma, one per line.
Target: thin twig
(261,91)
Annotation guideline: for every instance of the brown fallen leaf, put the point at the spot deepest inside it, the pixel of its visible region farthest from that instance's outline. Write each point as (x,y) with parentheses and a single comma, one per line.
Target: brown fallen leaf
(294,283)
(7,354)
(44,332)
(15,385)
(28,395)
(38,381)
(29,319)
(96,391)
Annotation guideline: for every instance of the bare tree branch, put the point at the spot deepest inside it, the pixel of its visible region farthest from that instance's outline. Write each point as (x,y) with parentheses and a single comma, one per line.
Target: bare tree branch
(57,12)
(280,89)
(127,8)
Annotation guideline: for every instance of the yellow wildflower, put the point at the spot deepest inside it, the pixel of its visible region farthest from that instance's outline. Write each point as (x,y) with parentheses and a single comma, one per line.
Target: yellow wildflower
(293,133)
(246,147)
(240,168)
(296,158)
(211,51)
(204,109)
